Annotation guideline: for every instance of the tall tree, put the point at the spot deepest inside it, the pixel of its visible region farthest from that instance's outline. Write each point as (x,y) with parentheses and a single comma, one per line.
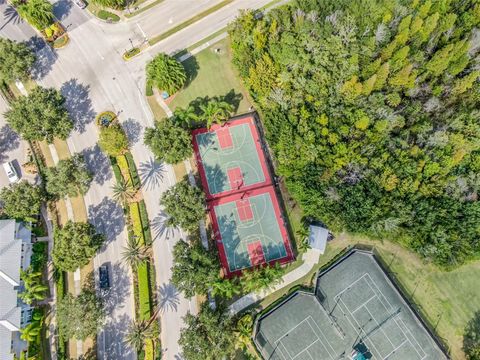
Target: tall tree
(137,333)
(16,60)
(194,268)
(39,13)
(471,338)
(69,178)
(208,336)
(166,73)
(74,245)
(81,316)
(123,191)
(113,140)
(40,116)
(134,253)
(114,4)
(215,112)
(184,205)
(168,141)
(21,200)
(33,288)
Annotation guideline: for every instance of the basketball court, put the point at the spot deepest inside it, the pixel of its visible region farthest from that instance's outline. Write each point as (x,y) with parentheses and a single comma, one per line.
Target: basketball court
(230,157)
(249,230)
(355,313)
(244,208)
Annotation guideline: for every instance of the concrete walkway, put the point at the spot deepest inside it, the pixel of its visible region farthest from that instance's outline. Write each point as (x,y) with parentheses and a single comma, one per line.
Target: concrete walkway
(310,258)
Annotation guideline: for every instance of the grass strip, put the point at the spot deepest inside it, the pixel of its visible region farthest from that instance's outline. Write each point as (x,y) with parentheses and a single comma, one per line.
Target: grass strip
(189,22)
(208,38)
(144,303)
(145,8)
(136,222)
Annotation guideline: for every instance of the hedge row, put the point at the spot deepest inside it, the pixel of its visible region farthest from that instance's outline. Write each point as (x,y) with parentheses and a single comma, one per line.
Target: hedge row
(147,234)
(133,171)
(116,169)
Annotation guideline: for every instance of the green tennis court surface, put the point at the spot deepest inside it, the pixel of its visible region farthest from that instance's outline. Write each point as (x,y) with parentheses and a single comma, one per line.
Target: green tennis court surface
(230,157)
(355,314)
(249,230)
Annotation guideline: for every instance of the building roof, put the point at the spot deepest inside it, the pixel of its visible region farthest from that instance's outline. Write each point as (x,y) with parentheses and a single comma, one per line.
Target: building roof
(12,235)
(318,238)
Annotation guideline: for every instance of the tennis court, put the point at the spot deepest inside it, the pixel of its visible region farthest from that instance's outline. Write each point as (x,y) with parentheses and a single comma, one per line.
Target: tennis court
(355,313)
(230,157)
(249,230)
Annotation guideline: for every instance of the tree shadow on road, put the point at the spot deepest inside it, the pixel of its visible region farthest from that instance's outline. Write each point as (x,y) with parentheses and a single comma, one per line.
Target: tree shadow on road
(107,217)
(9,140)
(133,130)
(78,103)
(115,345)
(151,173)
(46,57)
(160,227)
(10,15)
(114,298)
(62,9)
(168,297)
(98,164)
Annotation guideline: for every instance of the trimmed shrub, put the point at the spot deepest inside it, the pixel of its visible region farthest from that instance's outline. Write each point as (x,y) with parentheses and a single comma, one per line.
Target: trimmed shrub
(133,171)
(145,223)
(136,222)
(124,170)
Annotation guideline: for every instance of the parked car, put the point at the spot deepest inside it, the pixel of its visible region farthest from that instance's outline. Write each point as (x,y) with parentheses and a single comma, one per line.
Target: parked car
(80,4)
(104,278)
(11,172)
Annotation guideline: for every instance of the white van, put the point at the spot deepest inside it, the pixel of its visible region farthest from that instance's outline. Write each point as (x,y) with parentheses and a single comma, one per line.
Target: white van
(11,172)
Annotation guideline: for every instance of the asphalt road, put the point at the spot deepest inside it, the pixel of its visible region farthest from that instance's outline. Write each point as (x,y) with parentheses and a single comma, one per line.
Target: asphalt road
(92,75)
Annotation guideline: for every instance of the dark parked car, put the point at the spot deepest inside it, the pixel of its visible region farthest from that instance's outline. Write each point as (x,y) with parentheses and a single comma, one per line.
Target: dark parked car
(104,278)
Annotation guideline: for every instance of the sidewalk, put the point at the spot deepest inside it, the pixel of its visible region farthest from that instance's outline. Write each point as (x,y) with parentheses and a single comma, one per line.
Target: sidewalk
(310,258)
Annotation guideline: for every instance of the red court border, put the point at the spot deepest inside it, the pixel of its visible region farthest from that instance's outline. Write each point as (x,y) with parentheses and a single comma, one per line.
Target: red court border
(261,156)
(278,214)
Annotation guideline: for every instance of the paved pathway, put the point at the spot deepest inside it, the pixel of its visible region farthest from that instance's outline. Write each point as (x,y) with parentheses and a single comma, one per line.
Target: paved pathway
(310,258)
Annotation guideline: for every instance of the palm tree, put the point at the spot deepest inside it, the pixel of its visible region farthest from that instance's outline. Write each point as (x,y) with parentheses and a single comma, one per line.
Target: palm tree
(39,13)
(31,331)
(134,253)
(136,335)
(303,234)
(166,73)
(185,118)
(215,111)
(123,191)
(34,290)
(244,330)
(225,288)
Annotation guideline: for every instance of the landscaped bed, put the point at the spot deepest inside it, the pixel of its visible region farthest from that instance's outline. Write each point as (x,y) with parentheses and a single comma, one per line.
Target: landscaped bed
(127,55)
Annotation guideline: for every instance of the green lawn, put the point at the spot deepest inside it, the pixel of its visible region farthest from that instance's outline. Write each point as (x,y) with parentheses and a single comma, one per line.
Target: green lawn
(212,74)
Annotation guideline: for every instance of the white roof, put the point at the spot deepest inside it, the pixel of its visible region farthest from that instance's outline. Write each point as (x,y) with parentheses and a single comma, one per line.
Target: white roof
(11,237)
(318,238)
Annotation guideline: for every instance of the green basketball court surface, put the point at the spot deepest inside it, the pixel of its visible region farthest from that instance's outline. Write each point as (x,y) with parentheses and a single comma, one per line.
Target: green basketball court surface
(247,220)
(355,313)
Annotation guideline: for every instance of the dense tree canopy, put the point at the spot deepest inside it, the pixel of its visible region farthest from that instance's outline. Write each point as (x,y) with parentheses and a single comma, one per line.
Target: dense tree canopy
(74,245)
(184,205)
(168,141)
(80,317)
(371,109)
(114,4)
(16,60)
(194,269)
(113,140)
(208,336)
(166,73)
(21,200)
(40,116)
(471,338)
(69,178)
(39,13)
